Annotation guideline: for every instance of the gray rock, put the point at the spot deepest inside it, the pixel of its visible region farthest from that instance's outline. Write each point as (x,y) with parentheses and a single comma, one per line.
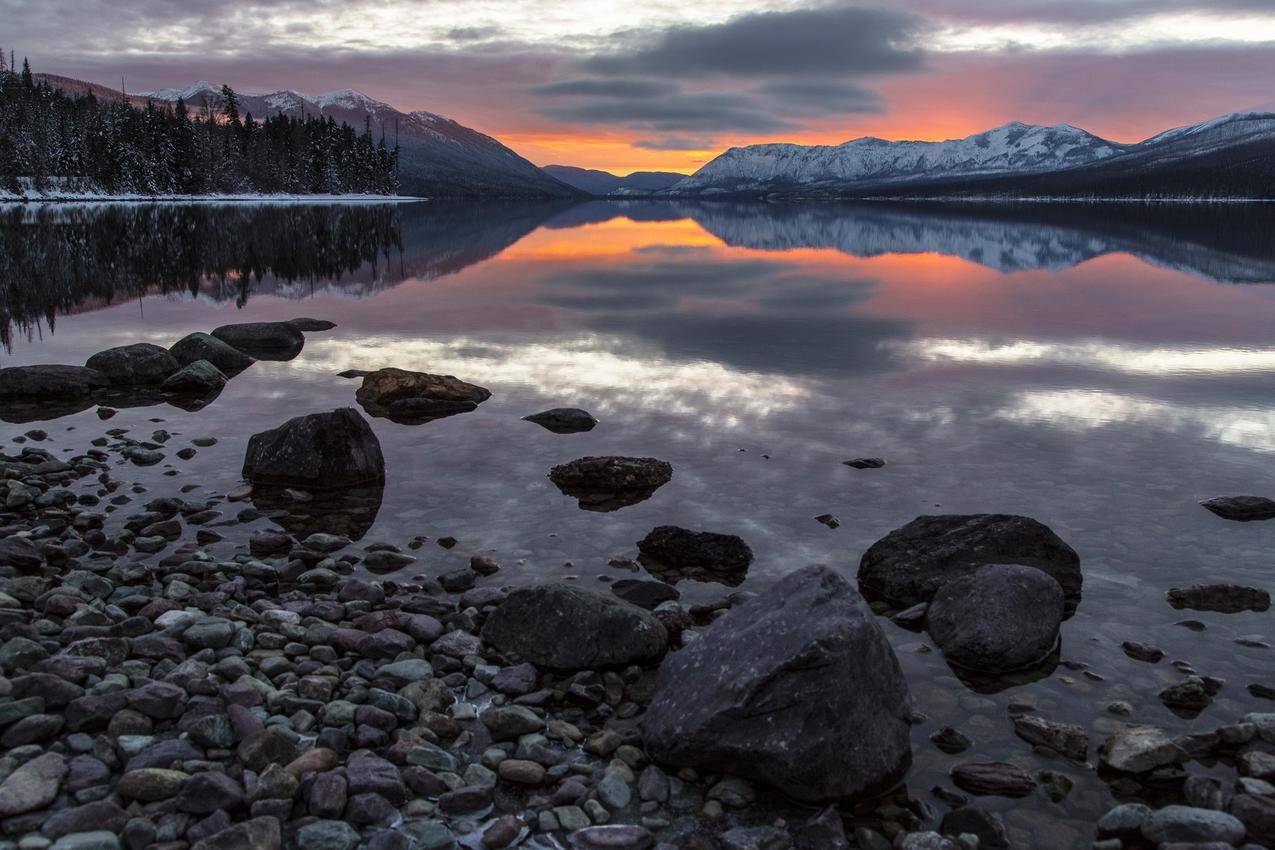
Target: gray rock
(755,838)
(993,779)
(51,382)
(510,722)
(1183,823)
(998,618)
(1241,508)
(975,820)
(139,364)
(200,378)
(1223,598)
(98,839)
(1257,814)
(1067,739)
(260,833)
(21,554)
(201,346)
(1141,749)
(316,451)
(611,837)
(1124,821)
(263,340)
(566,628)
(824,831)
(564,420)
(743,697)
(32,786)
(909,564)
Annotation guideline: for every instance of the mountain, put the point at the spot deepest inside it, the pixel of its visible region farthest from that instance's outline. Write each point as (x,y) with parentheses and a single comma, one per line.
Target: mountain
(1225,157)
(599,183)
(438,157)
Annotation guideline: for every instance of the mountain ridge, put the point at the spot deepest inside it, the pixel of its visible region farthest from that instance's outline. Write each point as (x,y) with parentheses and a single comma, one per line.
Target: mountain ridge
(602,183)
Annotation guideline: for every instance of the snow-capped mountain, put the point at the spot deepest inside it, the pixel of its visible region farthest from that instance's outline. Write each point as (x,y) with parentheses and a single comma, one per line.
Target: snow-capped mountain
(601,183)
(438,157)
(1013,148)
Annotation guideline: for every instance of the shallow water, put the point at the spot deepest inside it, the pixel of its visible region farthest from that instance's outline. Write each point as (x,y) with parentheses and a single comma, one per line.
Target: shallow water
(1101,371)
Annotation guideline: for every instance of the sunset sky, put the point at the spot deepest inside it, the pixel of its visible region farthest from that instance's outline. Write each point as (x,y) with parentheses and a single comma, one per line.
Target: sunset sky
(667,84)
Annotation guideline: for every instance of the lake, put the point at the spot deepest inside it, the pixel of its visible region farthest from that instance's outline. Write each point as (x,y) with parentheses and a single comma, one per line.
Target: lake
(1099,369)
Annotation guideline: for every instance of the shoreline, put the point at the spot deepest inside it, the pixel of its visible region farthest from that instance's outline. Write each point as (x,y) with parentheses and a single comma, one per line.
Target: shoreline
(73,199)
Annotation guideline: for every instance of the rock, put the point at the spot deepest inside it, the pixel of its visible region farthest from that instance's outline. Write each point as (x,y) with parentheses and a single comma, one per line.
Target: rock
(316,451)
(564,420)
(1257,814)
(150,784)
(1223,598)
(1140,749)
(61,383)
(692,553)
(327,835)
(910,563)
(1191,695)
(1066,739)
(824,831)
(417,397)
(976,820)
(1241,508)
(744,696)
(510,722)
(205,793)
(644,594)
(997,619)
(32,786)
(611,837)
(261,833)
(1142,652)
(865,463)
(1124,821)
(200,378)
(201,346)
(828,520)
(950,740)
(610,482)
(566,628)
(140,364)
(263,340)
(311,325)
(1187,824)
(521,772)
(755,838)
(21,554)
(993,779)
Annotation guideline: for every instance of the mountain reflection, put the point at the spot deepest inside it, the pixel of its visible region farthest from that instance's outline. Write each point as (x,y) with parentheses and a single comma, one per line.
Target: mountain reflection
(64,259)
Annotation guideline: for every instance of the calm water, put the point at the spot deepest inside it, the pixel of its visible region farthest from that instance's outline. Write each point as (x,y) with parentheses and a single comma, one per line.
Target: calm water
(1100,371)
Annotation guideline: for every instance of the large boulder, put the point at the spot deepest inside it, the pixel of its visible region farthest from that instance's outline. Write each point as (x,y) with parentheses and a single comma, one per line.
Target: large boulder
(416,397)
(139,364)
(317,451)
(263,340)
(673,553)
(200,378)
(998,619)
(610,482)
(32,786)
(202,346)
(565,628)
(910,563)
(19,383)
(797,687)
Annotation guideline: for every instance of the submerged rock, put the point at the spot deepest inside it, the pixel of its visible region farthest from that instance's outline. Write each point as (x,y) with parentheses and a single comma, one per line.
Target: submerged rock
(564,420)
(747,696)
(319,450)
(1241,508)
(139,364)
(1223,598)
(416,397)
(996,779)
(865,463)
(1141,749)
(201,346)
(673,553)
(1067,739)
(610,482)
(566,628)
(263,340)
(998,619)
(910,563)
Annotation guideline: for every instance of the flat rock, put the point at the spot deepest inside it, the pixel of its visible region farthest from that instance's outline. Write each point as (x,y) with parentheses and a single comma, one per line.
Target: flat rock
(910,563)
(32,786)
(564,420)
(1223,598)
(997,619)
(567,628)
(263,340)
(643,593)
(744,696)
(610,482)
(417,397)
(865,463)
(139,364)
(611,837)
(201,346)
(316,451)
(308,325)
(1241,508)
(1067,739)
(997,779)
(1188,824)
(18,383)
(1140,749)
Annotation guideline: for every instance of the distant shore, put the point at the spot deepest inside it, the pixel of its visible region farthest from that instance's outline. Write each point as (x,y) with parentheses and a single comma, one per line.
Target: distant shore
(246,198)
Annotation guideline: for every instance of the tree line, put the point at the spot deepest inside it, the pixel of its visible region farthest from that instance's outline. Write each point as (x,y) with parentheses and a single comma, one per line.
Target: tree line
(53,140)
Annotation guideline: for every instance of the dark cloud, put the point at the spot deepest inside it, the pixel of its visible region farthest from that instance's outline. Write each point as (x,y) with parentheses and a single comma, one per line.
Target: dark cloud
(1076,12)
(830,40)
(607,88)
(678,112)
(676,143)
(474,33)
(817,97)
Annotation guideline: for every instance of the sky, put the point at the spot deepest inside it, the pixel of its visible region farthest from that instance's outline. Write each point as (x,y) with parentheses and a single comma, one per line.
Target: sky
(626,85)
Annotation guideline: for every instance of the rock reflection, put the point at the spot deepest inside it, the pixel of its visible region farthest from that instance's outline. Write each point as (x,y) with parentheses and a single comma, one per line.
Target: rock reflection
(350,512)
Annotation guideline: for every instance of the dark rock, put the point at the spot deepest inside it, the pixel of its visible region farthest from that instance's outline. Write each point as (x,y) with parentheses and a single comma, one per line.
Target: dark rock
(909,564)
(140,364)
(644,594)
(997,619)
(1186,824)
(1257,814)
(261,833)
(1189,697)
(1241,508)
(950,740)
(1142,652)
(671,553)
(369,774)
(1223,598)
(21,554)
(417,397)
(610,482)
(865,463)
(993,779)
(271,746)
(50,382)
(263,340)
(828,520)
(201,346)
(1066,739)
(319,450)
(824,831)
(209,791)
(611,837)
(309,325)
(976,820)
(564,420)
(96,815)
(200,378)
(566,628)
(465,800)
(805,654)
